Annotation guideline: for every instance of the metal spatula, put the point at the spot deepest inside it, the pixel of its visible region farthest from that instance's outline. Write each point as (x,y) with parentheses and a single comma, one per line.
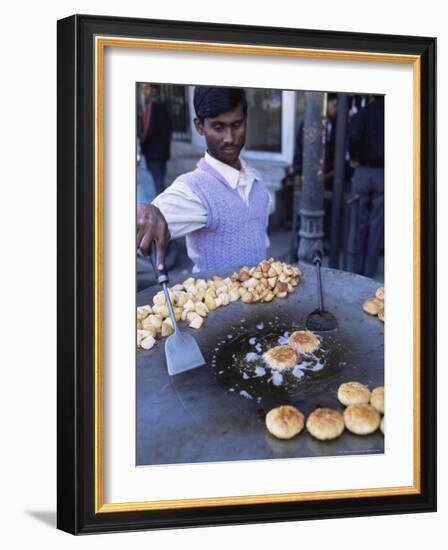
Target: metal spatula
(320,320)
(182,352)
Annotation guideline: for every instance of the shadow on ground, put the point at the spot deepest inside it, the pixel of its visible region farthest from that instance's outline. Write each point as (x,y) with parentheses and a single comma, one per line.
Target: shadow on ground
(48,517)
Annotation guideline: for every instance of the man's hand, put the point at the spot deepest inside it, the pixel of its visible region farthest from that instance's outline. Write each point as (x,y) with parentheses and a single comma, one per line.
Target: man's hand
(152,227)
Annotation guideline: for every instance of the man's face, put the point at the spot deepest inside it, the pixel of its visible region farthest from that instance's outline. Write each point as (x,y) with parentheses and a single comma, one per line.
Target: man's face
(225,135)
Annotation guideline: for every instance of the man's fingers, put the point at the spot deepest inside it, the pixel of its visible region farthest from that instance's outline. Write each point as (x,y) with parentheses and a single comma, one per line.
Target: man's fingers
(140,233)
(145,242)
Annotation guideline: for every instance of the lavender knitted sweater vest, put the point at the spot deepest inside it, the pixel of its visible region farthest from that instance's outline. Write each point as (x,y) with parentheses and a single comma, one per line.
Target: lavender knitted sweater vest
(235,233)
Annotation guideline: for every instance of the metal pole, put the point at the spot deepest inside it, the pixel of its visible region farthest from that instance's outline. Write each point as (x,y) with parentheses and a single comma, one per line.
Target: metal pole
(338,180)
(312,203)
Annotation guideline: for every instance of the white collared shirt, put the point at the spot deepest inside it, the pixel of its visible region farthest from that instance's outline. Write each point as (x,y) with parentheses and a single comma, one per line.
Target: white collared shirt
(183,209)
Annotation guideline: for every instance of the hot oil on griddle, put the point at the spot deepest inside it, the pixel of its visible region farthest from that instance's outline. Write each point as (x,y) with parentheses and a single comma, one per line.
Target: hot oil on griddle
(240,367)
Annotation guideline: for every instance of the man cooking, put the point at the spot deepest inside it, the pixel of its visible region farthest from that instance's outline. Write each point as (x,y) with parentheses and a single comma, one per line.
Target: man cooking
(222,206)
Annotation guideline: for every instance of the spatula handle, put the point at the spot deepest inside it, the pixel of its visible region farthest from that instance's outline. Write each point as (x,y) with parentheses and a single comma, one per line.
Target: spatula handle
(162,279)
(317,261)
(317,257)
(162,276)
(170,306)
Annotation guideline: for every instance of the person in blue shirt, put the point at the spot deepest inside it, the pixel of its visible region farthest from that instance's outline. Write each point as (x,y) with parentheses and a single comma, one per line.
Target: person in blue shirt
(366,147)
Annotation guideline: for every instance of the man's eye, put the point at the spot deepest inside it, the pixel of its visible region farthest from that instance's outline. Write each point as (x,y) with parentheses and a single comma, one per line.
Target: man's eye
(218,127)
(237,125)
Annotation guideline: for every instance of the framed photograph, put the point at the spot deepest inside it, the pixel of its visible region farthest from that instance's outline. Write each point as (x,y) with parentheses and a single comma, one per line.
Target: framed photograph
(234,205)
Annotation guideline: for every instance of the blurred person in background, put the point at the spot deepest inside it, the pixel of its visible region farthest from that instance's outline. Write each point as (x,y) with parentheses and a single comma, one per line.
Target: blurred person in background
(155,131)
(366,147)
(146,187)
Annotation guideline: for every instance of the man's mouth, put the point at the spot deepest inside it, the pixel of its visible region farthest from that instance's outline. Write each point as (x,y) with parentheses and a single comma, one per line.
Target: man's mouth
(230,149)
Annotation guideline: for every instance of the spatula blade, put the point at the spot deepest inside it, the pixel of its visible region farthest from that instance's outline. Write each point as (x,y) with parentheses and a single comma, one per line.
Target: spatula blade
(182,353)
(321,321)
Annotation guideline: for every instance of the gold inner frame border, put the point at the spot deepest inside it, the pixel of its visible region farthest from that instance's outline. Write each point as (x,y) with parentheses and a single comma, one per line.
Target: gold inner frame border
(101,42)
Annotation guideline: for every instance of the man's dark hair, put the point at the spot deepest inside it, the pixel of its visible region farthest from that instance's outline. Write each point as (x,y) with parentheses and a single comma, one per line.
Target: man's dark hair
(211,102)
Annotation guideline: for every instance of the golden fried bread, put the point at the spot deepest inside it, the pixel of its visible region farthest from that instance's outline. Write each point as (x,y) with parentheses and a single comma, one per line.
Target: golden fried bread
(325,424)
(304,341)
(377,399)
(281,357)
(372,306)
(350,393)
(284,422)
(361,419)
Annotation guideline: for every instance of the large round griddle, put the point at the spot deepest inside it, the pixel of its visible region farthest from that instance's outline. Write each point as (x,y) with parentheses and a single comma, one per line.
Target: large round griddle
(211,414)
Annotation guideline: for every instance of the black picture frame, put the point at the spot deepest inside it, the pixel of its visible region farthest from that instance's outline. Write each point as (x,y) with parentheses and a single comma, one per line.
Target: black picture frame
(76,473)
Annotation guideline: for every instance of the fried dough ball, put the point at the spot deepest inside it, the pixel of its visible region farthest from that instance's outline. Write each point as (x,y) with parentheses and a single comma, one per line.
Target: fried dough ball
(351,393)
(381,314)
(281,357)
(325,424)
(382,425)
(372,306)
(377,399)
(143,312)
(304,341)
(285,422)
(263,282)
(148,342)
(167,328)
(361,419)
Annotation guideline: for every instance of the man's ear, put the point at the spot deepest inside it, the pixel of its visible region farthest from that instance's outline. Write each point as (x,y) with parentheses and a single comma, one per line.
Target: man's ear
(199,126)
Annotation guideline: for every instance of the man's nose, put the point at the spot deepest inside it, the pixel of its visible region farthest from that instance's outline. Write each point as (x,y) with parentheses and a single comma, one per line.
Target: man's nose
(228,135)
